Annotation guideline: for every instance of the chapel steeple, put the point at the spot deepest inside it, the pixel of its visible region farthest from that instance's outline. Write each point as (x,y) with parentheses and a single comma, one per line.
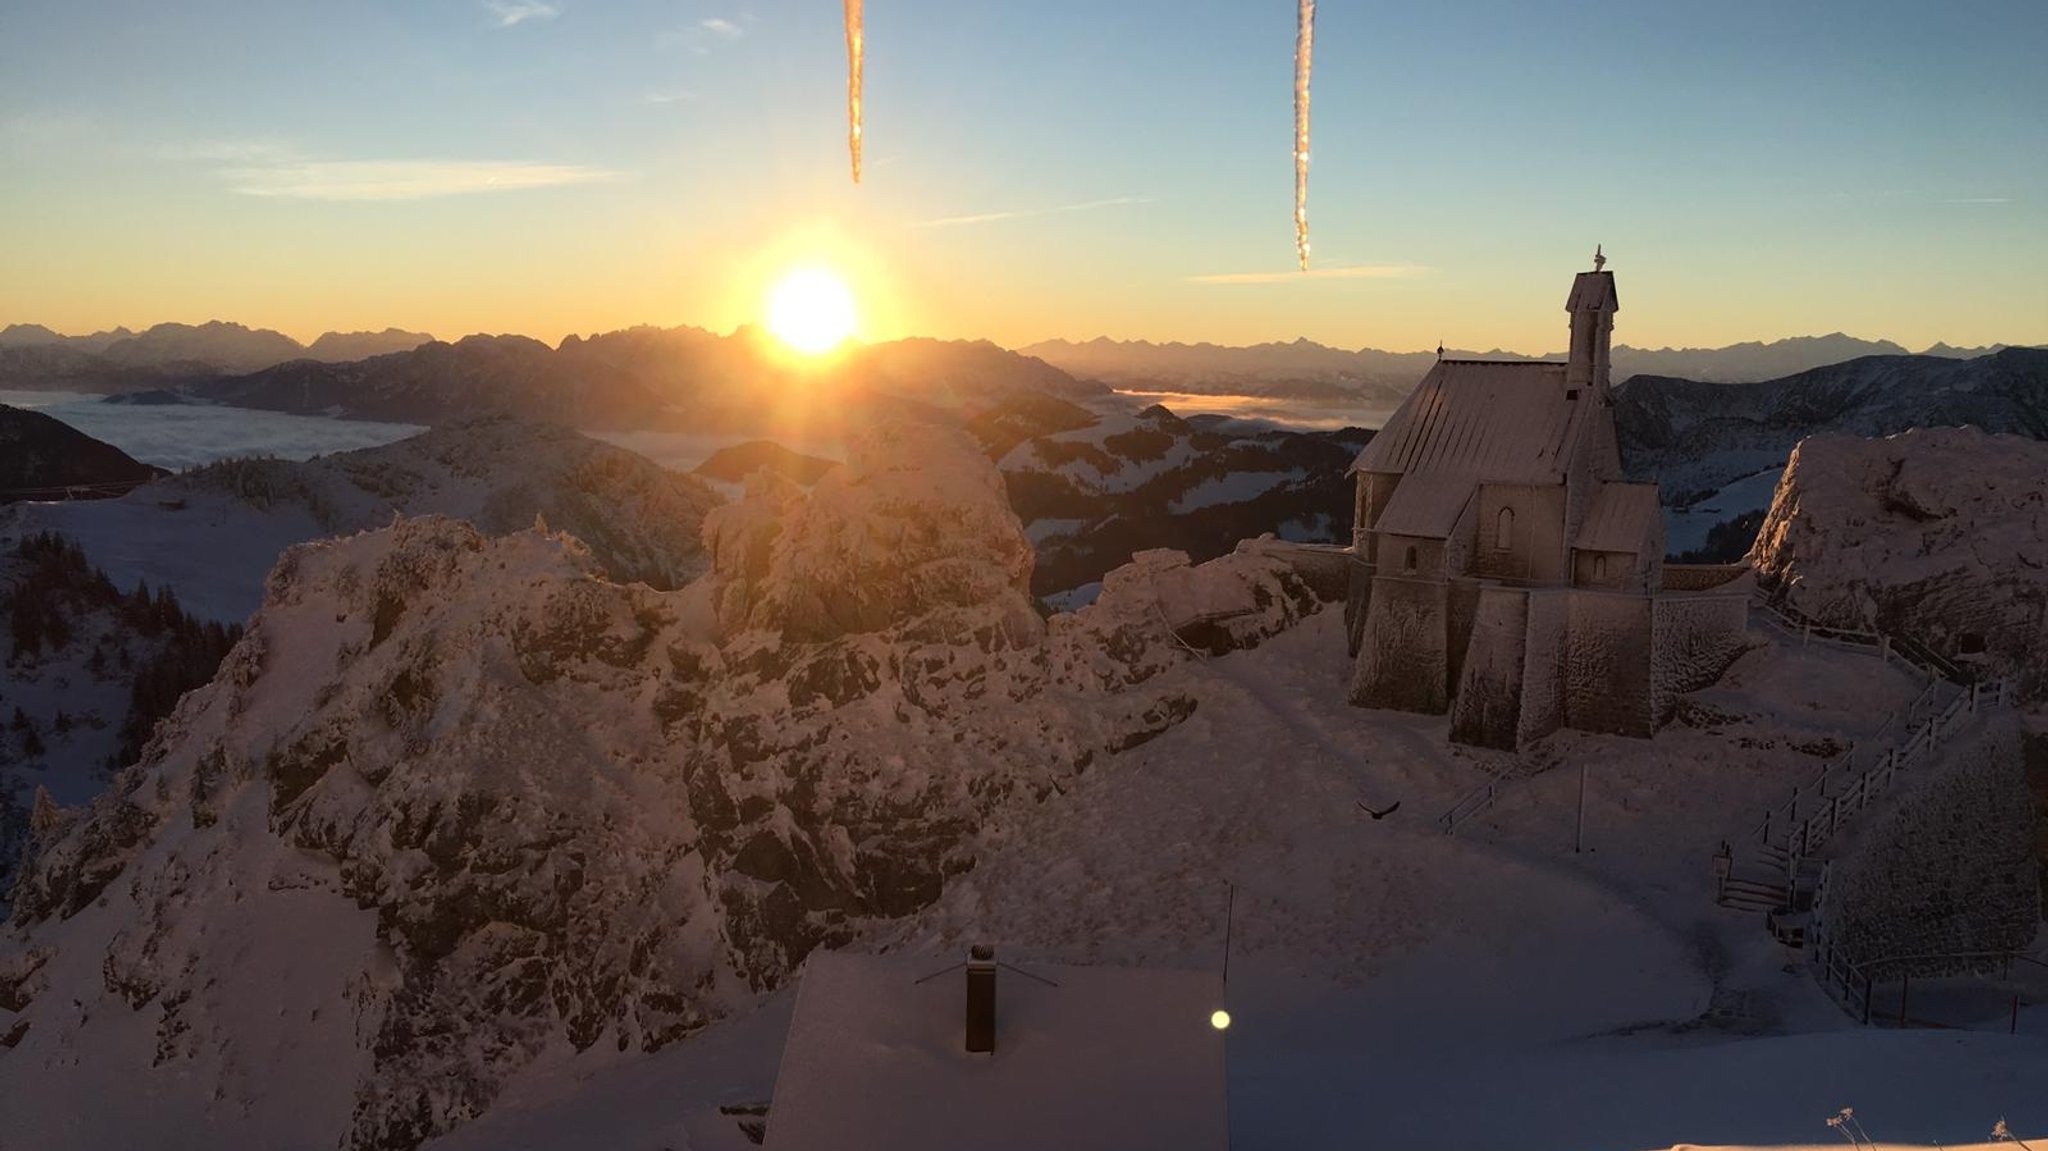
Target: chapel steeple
(1592,305)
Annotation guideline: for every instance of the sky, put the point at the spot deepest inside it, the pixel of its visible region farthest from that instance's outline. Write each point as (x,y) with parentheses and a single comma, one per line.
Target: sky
(1035,168)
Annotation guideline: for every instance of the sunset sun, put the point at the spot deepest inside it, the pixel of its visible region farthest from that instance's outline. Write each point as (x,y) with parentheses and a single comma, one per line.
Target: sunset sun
(811,310)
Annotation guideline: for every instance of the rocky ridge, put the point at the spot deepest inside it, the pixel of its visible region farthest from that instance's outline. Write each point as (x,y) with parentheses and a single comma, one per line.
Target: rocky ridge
(573,813)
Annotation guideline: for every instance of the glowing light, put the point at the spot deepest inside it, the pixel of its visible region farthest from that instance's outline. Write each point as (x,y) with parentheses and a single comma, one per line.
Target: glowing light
(856,57)
(1304,53)
(811,310)
(1220,1021)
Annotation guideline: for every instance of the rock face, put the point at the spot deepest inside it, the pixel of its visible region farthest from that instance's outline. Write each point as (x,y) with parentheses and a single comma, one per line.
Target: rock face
(39,452)
(1940,535)
(572,813)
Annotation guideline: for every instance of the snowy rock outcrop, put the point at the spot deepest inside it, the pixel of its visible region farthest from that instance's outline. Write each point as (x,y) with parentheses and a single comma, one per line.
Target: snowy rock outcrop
(1940,535)
(456,805)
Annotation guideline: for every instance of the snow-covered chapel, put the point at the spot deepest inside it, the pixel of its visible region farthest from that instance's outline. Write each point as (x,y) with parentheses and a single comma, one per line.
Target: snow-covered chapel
(1502,569)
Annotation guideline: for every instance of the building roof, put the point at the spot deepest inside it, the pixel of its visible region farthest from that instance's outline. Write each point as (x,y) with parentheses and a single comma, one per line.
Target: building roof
(1620,518)
(1481,422)
(1109,1058)
(1593,292)
(1425,509)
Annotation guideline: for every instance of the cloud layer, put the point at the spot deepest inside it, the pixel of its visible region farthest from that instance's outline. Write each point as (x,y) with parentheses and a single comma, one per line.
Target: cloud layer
(1026,213)
(510,12)
(404,179)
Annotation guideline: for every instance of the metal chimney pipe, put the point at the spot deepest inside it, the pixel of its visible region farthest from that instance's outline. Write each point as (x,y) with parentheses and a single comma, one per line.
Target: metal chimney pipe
(981,998)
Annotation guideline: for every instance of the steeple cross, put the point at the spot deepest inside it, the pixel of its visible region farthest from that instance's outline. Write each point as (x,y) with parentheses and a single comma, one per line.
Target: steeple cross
(1599,260)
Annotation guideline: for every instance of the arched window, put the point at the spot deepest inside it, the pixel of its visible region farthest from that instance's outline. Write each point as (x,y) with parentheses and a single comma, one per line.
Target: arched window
(1504,529)
(1599,567)
(1408,562)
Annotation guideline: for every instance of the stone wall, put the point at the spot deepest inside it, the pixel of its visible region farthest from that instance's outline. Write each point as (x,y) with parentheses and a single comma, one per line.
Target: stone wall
(1607,664)
(1543,695)
(1536,546)
(1944,864)
(1462,608)
(2036,744)
(1700,577)
(1401,657)
(1357,602)
(1695,638)
(1488,707)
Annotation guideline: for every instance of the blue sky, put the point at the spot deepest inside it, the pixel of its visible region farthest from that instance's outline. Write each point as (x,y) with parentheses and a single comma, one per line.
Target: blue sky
(1035,168)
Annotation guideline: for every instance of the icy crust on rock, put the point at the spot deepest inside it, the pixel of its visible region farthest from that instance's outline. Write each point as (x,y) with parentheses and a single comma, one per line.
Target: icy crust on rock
(577,814)
(1939,534)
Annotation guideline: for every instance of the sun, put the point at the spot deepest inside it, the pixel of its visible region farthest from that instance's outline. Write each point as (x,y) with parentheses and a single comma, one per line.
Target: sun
(811,310)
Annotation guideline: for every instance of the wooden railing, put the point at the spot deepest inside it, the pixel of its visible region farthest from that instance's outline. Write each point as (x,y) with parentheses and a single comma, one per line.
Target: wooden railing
(1815,812)
(1851,984)
(1791,832)
(1475,801)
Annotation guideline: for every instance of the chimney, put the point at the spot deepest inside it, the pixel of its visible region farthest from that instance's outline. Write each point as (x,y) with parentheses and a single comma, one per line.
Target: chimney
(981,998)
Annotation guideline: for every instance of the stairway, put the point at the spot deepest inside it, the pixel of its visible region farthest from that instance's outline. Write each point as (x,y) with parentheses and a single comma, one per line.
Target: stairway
(1755,894)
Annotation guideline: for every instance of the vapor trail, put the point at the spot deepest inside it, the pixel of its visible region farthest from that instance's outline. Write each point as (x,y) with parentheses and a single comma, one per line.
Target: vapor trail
(1304,53)
(856,53)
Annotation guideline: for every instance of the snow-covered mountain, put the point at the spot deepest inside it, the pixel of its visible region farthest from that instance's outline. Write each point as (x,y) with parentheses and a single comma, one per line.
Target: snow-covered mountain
(214,531)
(1096,484)
(38,453)
(1691,433)
(1940,535)
(1717,449)
(457,808)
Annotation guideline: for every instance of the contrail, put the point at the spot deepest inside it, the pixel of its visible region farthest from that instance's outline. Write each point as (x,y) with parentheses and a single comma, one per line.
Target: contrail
(856,52)
(1304,53)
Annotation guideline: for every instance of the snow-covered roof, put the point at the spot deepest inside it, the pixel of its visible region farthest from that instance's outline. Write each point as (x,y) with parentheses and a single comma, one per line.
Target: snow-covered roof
(1593,292)
(1481,421)
(1109,1058)
(1425,509)
(1619,518)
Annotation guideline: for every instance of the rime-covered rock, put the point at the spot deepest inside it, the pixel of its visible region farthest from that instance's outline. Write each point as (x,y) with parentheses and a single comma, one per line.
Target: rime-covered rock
(457,805)
(1940,535)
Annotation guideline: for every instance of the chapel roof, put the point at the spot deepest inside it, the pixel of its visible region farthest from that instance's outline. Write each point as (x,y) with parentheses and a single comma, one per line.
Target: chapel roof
(1619,518)
(1482,421)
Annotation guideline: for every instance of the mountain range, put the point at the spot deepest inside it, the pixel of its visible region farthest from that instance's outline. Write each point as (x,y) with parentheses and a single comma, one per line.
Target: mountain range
(30,351)
(1304,369)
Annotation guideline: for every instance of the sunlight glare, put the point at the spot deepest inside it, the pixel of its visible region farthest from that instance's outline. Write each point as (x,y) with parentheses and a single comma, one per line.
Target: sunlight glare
(811,310)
